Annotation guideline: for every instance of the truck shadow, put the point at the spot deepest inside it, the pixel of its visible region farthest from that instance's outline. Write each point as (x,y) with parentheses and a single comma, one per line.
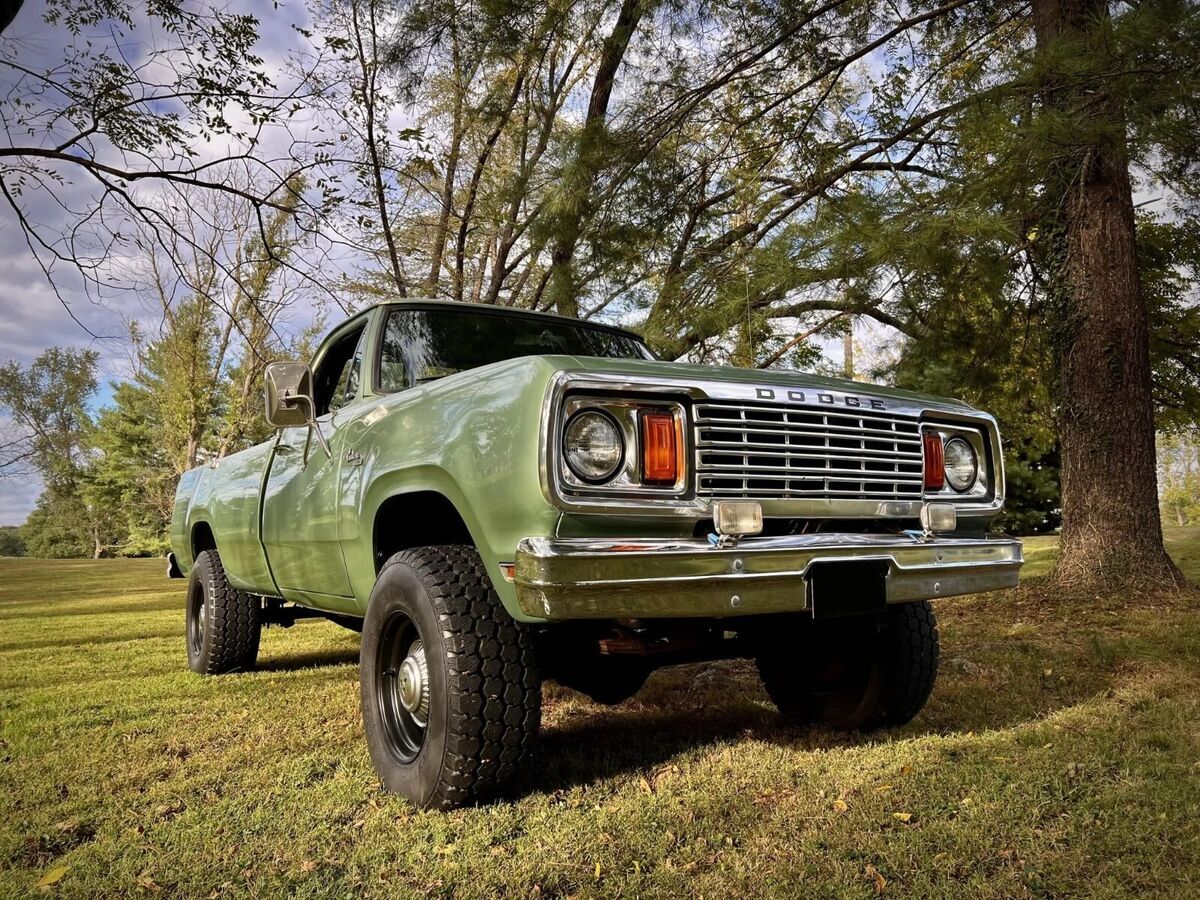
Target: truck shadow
(988,681)
(703,706)
(310,659)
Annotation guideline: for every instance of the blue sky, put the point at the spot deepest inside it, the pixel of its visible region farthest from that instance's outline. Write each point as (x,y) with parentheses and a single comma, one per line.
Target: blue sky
(31,316)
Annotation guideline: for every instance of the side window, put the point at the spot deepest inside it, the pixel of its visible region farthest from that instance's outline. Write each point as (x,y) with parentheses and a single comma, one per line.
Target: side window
(347,386)
(402,344)
(335,381)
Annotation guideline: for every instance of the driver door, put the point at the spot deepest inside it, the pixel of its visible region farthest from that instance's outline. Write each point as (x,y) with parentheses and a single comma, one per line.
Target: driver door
(300,500)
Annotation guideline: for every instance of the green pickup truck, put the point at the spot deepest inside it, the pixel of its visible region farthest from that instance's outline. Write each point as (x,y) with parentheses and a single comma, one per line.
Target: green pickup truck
(496,497)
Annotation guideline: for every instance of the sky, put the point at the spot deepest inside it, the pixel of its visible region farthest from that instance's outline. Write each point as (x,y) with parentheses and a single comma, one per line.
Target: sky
(32,317)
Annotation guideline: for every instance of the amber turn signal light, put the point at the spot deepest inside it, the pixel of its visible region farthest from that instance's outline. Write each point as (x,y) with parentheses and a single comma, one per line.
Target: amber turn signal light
(935,461)
(660,449)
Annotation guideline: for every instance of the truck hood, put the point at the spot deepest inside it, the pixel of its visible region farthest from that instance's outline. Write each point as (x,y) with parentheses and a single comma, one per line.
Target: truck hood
(767,378)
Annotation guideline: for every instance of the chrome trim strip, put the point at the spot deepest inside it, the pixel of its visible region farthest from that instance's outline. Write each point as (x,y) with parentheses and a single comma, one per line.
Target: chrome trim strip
(604,578)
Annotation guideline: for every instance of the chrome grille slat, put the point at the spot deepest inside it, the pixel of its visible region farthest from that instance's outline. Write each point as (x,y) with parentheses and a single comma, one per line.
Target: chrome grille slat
(804,428)
(796,450)
(768,451)
(857,474)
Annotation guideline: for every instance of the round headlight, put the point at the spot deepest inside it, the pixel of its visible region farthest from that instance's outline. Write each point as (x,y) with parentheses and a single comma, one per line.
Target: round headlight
(962,466)
(592,446)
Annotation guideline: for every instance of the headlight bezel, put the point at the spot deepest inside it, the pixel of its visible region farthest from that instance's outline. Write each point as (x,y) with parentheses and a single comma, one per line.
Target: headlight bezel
(626,413)
(982,487)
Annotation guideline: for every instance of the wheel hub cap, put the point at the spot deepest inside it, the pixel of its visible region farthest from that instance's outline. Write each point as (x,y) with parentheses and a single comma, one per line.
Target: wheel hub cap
(412,684)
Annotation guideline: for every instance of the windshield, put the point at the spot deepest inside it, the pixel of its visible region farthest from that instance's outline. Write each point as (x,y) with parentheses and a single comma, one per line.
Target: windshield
(421,345)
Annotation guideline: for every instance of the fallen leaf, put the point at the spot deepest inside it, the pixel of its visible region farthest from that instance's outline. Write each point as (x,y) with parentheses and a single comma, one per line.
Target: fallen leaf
(884,788)
(147,883)
(308,865)
(876,878)
(645,785)
(841,805)
(902,816)
(906,769)
(597,871)
(54,876)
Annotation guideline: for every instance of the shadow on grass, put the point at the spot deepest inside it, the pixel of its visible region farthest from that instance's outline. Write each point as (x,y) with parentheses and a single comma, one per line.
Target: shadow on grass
(615,742)
(311,659)
(99,607)
(86,640)
(693,707)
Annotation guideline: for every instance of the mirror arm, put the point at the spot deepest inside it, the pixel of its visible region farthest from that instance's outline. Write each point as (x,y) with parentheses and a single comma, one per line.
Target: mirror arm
(321,439)
(314,425)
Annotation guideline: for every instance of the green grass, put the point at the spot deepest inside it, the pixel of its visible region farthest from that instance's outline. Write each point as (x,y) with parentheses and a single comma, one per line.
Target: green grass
(1059,756)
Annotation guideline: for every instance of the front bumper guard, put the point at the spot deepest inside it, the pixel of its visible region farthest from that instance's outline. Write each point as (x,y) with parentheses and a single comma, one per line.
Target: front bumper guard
(588,578)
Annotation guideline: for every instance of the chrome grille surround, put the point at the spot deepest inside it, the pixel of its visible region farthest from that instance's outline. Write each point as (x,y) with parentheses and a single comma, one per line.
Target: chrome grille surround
(770,451)
(687,505)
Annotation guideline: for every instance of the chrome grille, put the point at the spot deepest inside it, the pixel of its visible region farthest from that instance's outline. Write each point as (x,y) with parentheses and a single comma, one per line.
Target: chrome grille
(762,451)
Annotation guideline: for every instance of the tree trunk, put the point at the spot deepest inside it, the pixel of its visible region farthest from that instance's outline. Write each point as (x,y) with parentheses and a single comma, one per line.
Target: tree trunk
(1112,531)
(848,351)
(580,179)
(461,79)
(369,68)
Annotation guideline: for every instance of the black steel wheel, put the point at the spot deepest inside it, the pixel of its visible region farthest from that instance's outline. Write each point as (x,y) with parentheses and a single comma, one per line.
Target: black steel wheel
(402,687)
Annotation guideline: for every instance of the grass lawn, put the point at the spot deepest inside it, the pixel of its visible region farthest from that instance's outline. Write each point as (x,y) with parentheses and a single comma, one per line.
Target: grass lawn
(1059,756)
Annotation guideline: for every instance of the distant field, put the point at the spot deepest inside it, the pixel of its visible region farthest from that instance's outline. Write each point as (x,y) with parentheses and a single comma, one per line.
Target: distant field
(1059,756)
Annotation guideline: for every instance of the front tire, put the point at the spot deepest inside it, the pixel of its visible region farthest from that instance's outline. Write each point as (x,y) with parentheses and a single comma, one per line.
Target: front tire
(857,673)
(451,699)
(223,623)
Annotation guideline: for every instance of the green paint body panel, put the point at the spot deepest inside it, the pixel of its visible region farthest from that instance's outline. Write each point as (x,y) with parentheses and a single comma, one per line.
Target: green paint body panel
(291,522)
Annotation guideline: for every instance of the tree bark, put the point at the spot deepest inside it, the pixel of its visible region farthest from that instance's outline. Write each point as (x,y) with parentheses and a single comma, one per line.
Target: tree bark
(457,129)
(369,68)
(1112,530)
(589,159)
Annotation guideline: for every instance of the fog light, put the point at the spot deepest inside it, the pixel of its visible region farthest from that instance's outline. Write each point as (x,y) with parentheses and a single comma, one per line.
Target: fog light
(737,517)
(938,517)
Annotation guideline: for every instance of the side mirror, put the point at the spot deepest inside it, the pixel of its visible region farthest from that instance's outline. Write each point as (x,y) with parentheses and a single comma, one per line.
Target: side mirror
(289,394)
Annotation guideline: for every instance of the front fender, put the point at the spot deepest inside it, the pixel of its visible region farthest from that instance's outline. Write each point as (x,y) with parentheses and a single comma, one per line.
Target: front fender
(474,439)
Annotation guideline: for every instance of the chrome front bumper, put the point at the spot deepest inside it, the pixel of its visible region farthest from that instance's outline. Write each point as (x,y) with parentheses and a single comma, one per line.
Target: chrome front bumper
(588,578)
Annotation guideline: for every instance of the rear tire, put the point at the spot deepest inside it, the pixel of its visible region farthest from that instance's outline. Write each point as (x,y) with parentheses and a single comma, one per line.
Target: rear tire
(451,698)
(855,673)
(223,623)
